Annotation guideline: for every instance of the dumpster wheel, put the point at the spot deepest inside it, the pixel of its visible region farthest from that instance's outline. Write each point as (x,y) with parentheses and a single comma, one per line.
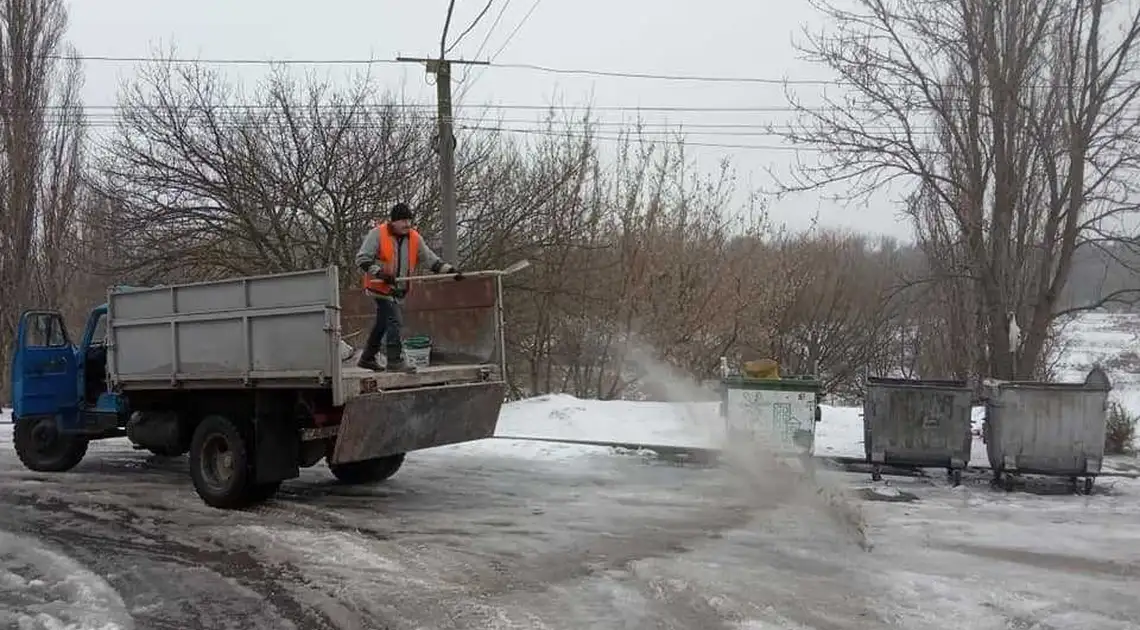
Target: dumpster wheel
(1089,482)
(955,476)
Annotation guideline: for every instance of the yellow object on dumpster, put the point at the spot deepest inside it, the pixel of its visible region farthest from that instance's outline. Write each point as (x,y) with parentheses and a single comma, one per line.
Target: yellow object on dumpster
(763,368)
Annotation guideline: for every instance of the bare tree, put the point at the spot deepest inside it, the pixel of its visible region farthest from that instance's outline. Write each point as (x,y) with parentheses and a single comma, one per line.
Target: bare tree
(41,121)
(210,181)
(1015,120)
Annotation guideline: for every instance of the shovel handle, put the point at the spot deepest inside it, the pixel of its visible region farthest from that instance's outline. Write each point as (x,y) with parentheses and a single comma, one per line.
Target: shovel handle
(518,266)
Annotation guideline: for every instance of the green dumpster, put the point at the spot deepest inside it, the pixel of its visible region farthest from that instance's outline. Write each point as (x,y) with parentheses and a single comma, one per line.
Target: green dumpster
(780,415)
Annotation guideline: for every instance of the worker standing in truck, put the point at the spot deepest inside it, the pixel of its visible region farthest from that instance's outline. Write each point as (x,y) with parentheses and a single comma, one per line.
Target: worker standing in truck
(391,250)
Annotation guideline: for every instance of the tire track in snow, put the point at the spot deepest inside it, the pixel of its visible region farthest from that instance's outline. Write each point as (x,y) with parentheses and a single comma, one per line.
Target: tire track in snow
(166,582)
(41,588)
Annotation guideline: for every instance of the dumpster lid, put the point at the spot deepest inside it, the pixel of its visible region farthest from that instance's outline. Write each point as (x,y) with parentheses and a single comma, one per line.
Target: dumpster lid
(1071,387)
(917,383)
(784,383)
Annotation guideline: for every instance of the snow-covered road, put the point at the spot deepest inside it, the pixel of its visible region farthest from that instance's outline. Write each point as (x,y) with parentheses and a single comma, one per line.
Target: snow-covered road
(507,534)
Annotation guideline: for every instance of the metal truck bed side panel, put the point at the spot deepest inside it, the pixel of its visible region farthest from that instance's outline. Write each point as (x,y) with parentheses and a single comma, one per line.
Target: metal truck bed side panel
(401,421)
(463,319)
(282,328)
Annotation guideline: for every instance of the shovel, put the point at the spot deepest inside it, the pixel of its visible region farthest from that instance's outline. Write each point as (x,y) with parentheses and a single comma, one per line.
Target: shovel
(513,268)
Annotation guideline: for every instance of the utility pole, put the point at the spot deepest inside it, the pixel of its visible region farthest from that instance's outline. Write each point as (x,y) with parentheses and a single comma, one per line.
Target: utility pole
(445,145)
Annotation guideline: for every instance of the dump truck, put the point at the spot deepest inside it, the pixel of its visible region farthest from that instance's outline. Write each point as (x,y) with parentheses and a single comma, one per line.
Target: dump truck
(246,376)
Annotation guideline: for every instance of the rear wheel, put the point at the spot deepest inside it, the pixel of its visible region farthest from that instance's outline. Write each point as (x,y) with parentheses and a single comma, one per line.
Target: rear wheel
(369,470)
(43,448)
(221,464)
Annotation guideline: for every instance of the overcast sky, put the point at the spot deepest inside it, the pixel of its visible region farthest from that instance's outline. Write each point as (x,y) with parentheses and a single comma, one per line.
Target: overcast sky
(706,37)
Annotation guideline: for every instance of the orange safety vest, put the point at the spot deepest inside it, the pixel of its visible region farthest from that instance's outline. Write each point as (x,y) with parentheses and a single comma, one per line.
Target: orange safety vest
(386,257)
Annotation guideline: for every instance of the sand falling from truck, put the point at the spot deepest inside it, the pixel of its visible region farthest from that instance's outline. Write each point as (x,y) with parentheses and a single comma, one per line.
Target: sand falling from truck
(756,476)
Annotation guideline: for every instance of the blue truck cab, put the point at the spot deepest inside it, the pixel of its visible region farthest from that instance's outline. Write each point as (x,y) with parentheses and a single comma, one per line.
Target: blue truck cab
(61,400)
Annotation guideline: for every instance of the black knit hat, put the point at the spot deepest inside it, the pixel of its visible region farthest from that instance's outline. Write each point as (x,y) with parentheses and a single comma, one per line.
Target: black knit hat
(401,211)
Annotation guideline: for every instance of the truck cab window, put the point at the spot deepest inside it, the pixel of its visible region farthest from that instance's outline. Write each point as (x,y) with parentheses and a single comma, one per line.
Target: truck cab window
(99,337)
(45,330)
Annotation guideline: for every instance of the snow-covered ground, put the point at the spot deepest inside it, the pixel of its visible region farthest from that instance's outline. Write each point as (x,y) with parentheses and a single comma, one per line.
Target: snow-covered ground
(517,534)
(511,533)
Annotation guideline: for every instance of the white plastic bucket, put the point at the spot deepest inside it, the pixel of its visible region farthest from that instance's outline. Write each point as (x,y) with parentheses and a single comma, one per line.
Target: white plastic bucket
(417,357)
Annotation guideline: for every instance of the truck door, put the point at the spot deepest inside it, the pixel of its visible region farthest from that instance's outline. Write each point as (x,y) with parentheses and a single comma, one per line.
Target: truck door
(44,368)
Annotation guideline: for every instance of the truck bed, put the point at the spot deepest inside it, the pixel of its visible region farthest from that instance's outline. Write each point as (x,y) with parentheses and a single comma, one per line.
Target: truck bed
(284,331)
(358,381)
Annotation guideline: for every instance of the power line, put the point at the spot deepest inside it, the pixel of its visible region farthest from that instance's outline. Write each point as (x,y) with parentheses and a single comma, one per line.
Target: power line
(492,106)
(663,77)
(483,44)
(518,27)
(234,61)
(632,136)
(660,128)
(469,28)
(507,66)
(466,88)
(491,31)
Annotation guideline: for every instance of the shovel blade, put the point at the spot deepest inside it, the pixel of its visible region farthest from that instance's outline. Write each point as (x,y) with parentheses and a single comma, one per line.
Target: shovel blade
(518,266)
(401,421)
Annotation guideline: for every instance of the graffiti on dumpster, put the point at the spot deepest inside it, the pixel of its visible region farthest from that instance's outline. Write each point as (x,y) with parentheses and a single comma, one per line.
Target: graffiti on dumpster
(775,419)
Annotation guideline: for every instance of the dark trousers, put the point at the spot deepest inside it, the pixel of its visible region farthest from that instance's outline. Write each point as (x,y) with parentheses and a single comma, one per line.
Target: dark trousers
(387,324)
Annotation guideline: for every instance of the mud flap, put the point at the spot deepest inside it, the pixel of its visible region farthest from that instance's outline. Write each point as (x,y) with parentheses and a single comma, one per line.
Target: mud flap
(401,421)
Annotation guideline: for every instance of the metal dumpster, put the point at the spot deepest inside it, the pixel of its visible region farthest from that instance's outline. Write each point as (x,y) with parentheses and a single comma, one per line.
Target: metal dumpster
(920,424)
(1054,429)
(777,414)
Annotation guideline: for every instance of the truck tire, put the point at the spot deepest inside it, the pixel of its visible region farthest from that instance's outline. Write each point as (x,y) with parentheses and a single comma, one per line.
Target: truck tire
(221,465)
(369,470)
(42,448)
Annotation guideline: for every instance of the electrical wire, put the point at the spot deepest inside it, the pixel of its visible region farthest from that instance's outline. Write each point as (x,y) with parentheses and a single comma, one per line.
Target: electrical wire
(516,30)
(626,135)
(506,66)
(471,26)
(491,106)
(467,88)
(483,45)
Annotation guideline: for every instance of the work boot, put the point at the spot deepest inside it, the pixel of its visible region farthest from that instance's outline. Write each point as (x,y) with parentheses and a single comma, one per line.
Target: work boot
(369,364)
(395,358)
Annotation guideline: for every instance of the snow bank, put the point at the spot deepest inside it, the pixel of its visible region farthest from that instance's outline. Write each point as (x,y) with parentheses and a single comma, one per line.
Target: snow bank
(1111,340)
(839,432)
(5,416)
(695,425)
(40,588)
(565,417)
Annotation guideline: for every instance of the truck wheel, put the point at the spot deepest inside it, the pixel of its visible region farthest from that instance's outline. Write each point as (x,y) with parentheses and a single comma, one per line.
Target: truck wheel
(221,464)
(367,471)
(42,448)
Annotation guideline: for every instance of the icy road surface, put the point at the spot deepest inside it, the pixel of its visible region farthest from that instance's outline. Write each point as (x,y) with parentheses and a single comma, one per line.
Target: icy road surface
(503,534)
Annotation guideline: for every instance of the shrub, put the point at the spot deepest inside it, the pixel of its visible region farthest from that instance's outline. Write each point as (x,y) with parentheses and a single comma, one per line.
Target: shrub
(1121,430)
